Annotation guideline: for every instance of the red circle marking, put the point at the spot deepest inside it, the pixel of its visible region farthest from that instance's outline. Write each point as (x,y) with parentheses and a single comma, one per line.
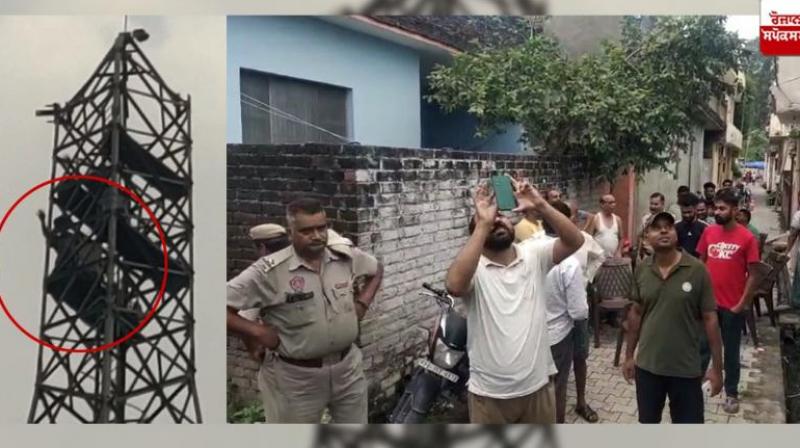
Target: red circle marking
(161,236)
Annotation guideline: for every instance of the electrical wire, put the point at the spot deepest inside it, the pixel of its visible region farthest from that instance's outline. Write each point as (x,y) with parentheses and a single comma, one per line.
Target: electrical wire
(787,81)
(279,115)
(779,84)
(270,109)
(289,117)
(786,95)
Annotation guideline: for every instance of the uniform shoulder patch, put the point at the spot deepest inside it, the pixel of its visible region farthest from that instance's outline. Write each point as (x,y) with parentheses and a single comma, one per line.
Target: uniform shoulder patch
(273,260)
(336,239)
(342,248)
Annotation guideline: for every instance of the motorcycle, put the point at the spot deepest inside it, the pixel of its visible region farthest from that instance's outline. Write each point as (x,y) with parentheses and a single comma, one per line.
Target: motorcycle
(444,372)
(745,197)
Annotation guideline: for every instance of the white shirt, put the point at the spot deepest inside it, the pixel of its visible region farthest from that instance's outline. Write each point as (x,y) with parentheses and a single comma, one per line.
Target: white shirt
(507,343)
(645,219)
(675,211)
(566,299)
(590,256)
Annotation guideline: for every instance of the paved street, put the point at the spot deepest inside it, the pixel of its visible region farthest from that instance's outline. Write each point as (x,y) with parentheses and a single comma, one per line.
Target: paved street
(764,218)
(761,387)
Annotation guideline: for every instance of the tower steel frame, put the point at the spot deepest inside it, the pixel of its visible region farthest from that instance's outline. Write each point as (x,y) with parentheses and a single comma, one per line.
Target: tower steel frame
(104,264)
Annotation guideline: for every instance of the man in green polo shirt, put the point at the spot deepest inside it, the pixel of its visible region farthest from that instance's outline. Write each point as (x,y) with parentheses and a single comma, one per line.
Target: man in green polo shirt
(744,217)
(672,304)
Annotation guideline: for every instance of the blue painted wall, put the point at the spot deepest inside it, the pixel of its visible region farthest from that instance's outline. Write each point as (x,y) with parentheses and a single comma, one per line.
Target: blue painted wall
(384,77)
(457,130)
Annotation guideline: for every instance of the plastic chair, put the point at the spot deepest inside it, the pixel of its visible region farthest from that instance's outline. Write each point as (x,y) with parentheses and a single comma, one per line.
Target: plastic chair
(611,292)
(770,272)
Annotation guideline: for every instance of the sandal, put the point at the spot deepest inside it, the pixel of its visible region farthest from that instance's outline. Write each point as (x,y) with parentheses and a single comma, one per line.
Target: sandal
(731,405)
(587,413)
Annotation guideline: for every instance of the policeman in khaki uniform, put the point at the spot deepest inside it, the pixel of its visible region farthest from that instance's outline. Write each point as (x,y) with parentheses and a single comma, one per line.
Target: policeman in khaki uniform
(267,239)
(270,238)
(311,317)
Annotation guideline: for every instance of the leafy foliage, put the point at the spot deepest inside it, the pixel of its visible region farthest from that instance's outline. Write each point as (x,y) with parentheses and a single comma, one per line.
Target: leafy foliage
(242,412)
(251,413)
(634,104)
(756,144)
(760,73)
(736,172)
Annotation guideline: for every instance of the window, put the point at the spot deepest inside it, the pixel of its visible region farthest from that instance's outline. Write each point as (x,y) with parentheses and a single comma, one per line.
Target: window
(277,109)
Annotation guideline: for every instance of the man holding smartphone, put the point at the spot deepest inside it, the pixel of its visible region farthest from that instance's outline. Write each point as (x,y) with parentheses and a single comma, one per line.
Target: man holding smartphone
(503,284)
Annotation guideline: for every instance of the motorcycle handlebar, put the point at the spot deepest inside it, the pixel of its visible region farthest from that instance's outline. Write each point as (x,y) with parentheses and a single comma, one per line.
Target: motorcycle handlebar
(439,294)
(430,288)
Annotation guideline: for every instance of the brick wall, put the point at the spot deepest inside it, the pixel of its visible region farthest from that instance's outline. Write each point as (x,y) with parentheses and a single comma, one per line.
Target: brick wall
(408,207)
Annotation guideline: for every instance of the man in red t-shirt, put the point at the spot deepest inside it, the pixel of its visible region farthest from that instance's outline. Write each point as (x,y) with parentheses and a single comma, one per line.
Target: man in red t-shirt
(730,252)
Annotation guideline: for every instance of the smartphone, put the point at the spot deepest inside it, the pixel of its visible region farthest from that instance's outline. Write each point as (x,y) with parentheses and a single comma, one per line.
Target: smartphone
(504,193)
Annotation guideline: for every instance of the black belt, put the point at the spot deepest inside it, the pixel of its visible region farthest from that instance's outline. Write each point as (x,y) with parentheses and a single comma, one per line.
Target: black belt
(312,363)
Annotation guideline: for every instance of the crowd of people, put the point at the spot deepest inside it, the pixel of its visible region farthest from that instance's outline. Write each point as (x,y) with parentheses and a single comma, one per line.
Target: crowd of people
(525,287)
(693,281)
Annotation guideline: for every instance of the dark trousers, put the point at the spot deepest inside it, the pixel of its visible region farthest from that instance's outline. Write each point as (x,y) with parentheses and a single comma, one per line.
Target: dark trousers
(562,356)
(731,326)
(685,397)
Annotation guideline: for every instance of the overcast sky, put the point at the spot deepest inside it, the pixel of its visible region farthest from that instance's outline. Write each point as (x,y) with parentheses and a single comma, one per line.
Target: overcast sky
(46,60)
(745,26)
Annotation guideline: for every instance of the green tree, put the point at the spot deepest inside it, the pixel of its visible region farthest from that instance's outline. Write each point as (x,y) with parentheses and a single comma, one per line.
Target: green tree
(756,142)
(633,104)
(736,172)
(760,73)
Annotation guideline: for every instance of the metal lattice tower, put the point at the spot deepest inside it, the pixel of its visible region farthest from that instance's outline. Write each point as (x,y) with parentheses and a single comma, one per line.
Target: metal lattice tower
(104,260)
(443,7)
(435,436)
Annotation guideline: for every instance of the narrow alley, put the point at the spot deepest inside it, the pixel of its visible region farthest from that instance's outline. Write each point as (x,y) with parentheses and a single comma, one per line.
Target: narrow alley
(762,395)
